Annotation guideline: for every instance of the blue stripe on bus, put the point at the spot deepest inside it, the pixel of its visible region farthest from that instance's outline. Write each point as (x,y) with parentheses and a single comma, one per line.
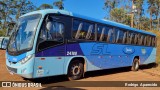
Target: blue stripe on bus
(111,55)
(60,51)
(15,58)
(103,55)
(99,55)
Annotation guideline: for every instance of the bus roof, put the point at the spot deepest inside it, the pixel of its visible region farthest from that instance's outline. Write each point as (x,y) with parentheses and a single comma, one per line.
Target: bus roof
(112,23)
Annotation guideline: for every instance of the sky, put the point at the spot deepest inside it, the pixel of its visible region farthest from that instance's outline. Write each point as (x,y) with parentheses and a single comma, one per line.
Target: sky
(91,8)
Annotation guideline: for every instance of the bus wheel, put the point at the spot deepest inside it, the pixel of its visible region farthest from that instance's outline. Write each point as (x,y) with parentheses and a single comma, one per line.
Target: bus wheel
(135,65)
(75,70)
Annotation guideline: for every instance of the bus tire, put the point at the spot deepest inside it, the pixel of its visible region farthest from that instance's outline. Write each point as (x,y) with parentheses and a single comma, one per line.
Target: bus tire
(135,65)
(75,70)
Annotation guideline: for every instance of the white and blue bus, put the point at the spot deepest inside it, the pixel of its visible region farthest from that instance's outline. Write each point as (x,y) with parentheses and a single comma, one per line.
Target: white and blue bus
(56,42)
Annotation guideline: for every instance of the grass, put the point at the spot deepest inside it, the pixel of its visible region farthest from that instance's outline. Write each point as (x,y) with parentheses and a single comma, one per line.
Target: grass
(158,44)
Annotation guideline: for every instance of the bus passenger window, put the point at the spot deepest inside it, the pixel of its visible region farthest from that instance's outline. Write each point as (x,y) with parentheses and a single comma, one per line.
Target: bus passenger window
(111,36)
(127,37)
(153,41)
(130,38)
(102,35)
(78,31)
(136,39)
(55,33)
(144,41)
(124,38)
(140,40)
(149,41)
(133,37)
(119,34)
(89,33)
(99,31)
(83,30)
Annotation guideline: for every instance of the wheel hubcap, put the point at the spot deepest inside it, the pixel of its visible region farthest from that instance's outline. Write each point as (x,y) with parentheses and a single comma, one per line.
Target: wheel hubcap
(75,70)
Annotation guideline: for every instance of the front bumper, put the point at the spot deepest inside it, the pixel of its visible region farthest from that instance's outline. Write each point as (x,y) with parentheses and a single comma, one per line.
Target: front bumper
(14,71)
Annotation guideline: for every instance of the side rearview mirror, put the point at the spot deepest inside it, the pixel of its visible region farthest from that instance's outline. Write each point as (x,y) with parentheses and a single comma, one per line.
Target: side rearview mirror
(3,43)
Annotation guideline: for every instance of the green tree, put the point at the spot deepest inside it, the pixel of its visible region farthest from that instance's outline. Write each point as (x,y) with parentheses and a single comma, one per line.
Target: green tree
(45,6)
(6,12)
(22,7)
(118,15)
(139,9)
(157,2)
(151,10)
(59,4)
(10,10)
(2,32)
(145,23)
(109,5)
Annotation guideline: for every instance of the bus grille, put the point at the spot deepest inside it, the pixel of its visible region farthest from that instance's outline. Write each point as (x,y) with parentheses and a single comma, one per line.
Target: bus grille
(14,70)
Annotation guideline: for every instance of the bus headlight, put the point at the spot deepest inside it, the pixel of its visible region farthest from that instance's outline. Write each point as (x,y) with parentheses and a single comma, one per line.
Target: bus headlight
(23,61)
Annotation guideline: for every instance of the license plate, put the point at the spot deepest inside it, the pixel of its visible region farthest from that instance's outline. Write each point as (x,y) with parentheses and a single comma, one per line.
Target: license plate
(40,72)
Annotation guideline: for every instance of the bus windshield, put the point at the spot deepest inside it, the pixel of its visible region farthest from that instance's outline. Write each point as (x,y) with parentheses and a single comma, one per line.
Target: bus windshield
(23,37)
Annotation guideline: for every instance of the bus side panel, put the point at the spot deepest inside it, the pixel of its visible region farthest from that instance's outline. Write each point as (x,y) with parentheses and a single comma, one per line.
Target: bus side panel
(97,55)
(50,62)
(73,50)
(49,67)
(151,57)
(146,54)
(104,56)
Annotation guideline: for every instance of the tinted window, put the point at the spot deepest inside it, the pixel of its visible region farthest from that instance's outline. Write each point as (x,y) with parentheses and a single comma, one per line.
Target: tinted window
(136,38)
(119,35)
(144,40)
(141,37)
(55,33)
(153,41)
(149,41)
(102,33)
(129,38)
(133,37)
(111,35)
(83,30)
(124,41)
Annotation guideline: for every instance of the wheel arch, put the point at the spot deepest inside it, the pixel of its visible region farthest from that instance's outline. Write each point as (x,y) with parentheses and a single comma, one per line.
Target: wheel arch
(138,57)
(80,58)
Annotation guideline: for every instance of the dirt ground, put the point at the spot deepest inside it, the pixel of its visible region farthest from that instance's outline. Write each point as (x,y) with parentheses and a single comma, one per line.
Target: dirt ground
(92,79)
